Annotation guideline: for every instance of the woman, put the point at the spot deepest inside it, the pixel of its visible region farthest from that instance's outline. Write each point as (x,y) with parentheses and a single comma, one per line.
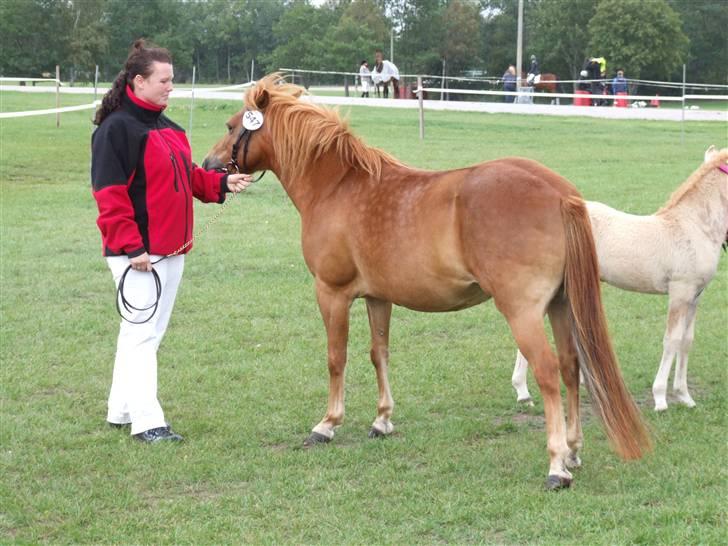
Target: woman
(143,181)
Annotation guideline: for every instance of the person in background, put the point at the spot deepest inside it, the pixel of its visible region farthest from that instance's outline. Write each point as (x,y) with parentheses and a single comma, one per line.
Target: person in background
(384,72)
(365,78)
(534,72)
(143,180)
(509,83)
(619,83)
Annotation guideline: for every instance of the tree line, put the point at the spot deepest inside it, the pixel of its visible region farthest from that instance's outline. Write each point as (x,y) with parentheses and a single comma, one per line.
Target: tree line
(649,39)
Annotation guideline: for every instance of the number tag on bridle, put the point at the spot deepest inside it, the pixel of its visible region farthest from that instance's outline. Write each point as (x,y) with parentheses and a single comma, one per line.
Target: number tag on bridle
(252,120)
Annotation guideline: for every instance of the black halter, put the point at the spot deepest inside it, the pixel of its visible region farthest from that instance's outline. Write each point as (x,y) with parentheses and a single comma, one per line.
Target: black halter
(233,163)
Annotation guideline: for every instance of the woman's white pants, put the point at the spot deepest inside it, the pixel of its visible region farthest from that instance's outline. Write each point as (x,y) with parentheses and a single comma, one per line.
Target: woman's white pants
(133,395)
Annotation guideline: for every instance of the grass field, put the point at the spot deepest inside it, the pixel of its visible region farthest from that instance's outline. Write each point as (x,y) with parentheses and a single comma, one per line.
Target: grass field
(242,371)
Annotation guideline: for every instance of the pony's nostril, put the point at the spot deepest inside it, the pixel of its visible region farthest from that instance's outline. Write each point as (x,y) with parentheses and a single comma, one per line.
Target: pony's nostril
(212,164)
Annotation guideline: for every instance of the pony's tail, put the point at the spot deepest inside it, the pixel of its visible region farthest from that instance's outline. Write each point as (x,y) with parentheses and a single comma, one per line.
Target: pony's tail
(598,363)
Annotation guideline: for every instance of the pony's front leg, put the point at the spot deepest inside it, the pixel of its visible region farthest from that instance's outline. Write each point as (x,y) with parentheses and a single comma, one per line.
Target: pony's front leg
(334,306)
(680,383)
(676,315)
(518,380)
(380,313)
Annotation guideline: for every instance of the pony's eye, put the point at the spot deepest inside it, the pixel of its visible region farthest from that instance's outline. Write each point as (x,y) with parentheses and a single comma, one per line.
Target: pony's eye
(229,128)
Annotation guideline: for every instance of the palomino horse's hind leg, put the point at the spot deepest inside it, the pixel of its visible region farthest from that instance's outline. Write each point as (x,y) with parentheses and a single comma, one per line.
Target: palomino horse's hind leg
(678,314)
(334,308)
(518,380)
(680,383)
(531,339)
(380,313)
(569,365)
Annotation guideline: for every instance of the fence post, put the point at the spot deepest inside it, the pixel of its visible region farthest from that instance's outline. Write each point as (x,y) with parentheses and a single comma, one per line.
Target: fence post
(346,86)
(58,95)
(192,103)
(96,82)
(682,115)
(420,99)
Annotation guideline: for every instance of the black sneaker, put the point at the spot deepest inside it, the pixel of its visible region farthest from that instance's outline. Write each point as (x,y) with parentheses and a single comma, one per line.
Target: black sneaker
(160,434)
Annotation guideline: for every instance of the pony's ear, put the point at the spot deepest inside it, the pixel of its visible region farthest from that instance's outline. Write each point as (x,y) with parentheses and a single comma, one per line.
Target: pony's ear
(262,100)
(709,153)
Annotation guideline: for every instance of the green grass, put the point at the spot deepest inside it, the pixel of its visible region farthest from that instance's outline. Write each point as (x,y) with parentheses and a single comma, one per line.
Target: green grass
(242,370)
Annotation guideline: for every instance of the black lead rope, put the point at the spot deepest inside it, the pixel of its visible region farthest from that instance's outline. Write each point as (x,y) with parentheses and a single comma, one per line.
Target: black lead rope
(121,300)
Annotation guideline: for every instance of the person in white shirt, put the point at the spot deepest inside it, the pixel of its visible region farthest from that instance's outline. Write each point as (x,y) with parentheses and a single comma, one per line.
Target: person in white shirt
(365,78)
(384,72)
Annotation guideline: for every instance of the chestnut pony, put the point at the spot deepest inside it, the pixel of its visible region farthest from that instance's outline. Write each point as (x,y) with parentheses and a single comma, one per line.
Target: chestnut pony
(433,241)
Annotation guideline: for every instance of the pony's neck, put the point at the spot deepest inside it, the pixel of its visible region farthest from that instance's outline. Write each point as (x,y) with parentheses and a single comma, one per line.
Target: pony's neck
(706,205)
(317,182)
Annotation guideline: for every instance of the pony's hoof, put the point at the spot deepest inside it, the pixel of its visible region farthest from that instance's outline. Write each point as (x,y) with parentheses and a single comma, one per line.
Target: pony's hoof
(573,461)
(661,406)
(315,439)
(374,432)
(526,401)
(686,400)
(554,483)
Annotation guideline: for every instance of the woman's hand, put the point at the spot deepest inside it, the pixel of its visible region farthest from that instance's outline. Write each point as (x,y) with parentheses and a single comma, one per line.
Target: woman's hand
(141,262)
(238,182)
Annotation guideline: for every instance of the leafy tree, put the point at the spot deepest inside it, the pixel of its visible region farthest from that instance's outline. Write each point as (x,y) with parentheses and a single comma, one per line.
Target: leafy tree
(299,33)
(361,29)
(421,33)
(88,41)
(644,38)
(461,25)
(704,22)
(33,36)
(498,34)
(559,35)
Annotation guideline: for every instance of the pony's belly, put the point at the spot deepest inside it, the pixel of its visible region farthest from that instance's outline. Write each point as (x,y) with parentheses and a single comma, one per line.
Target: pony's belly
(437,298)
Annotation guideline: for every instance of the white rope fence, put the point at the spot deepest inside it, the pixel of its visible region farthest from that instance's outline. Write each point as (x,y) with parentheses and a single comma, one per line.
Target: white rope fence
(27,113)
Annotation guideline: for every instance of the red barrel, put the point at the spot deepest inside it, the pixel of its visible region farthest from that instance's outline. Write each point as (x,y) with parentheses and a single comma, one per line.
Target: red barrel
(584,100)
(621,103)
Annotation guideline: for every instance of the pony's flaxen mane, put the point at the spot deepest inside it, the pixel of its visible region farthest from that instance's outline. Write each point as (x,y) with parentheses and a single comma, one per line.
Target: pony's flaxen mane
(302,131)
(693,181)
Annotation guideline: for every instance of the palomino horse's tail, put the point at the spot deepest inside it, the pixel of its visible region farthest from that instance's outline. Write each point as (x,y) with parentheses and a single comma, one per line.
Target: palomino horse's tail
(598,363)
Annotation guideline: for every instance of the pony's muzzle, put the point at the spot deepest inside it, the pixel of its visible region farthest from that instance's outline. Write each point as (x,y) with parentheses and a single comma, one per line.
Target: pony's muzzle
(213,164)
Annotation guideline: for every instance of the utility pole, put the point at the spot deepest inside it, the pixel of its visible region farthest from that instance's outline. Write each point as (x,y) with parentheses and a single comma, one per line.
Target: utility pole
(519,47)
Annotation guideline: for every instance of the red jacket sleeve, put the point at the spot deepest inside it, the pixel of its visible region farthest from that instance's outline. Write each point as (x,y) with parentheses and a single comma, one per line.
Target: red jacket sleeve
(111,173)
(208,186)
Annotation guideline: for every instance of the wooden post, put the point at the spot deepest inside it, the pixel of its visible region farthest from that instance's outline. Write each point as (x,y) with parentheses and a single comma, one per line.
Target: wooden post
(682,115)
(420,99)
(58,95)
(96,82)
(346,86)
(192,102)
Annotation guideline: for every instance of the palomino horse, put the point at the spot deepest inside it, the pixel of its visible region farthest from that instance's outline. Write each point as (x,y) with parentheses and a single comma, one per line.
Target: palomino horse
(373,228)
(674,251)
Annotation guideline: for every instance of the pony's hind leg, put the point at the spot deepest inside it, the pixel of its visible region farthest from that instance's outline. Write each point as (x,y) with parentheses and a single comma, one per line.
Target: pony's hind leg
(334,306)
(528,330)
(519,381)
(569,364)
(380,313)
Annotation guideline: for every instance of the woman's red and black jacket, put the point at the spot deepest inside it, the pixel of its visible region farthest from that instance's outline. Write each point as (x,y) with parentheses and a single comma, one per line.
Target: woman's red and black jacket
(143,181)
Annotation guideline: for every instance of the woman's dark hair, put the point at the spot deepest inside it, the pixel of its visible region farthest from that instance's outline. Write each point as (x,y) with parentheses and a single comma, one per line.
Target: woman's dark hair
(139,62)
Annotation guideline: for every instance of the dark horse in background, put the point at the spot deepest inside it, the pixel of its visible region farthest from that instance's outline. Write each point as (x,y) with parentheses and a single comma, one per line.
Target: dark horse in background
(374,228)
(547,83)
